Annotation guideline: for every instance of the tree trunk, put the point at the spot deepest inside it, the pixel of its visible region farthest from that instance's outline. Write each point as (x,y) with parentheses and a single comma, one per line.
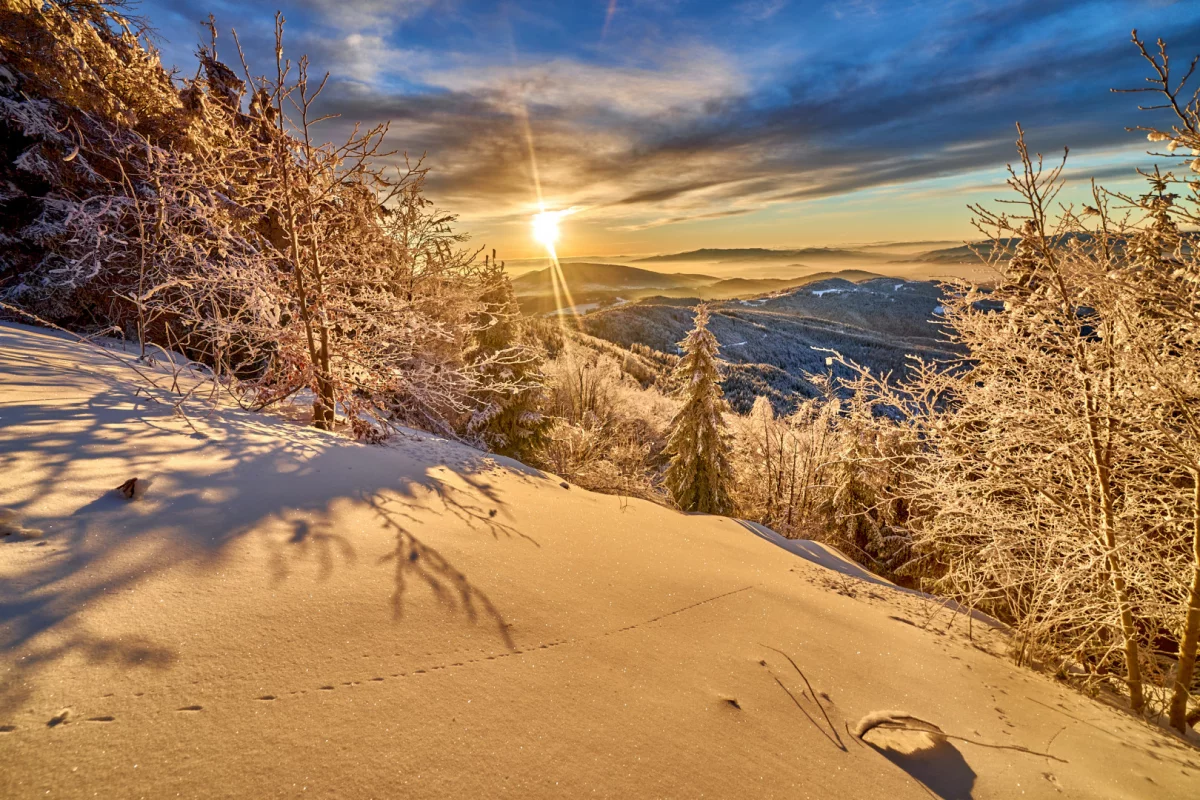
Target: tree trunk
(326,407)
(1186,668)
(770,476)
(1133,667)
(792,488)
(319,416)
(1108,536)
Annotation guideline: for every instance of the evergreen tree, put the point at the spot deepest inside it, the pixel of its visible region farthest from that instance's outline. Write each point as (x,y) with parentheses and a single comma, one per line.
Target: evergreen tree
(700,473)
(511,390)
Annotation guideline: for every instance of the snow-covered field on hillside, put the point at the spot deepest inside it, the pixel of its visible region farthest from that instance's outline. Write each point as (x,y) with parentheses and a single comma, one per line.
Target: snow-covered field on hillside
(283,612)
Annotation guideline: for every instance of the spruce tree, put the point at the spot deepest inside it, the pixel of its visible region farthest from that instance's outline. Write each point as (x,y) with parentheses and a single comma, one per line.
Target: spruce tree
(700,473)
(508,419)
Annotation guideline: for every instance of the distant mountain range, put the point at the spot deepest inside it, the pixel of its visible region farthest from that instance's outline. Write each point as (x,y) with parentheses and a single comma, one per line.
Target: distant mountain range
(963,254)
(874,254)
(587,277)
(592,285)
(724,255)
(866,253)
(773,340)
(771,330)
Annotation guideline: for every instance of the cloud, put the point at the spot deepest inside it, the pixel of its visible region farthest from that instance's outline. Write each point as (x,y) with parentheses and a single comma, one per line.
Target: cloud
(842,9)
(680,84)
(362,57)
(658,223)
(361,15)
(754,106)
(760,10)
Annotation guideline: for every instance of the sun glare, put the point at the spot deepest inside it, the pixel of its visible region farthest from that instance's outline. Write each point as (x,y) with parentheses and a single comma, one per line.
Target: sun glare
(545,228)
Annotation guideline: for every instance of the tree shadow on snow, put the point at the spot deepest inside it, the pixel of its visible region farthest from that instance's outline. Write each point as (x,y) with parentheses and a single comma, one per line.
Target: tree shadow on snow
(218,477)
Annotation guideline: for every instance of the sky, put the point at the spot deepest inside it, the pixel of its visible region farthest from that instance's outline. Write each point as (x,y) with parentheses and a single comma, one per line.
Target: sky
(669,125)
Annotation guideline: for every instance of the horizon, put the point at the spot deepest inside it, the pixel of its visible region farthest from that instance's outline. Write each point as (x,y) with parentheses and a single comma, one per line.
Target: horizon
(659,128)
(894,258)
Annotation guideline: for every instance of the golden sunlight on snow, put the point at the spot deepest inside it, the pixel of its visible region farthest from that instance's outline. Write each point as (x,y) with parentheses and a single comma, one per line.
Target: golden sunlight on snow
(288,612)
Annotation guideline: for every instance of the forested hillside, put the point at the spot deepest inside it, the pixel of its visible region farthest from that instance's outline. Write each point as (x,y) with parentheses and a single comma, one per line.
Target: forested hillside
(772,342)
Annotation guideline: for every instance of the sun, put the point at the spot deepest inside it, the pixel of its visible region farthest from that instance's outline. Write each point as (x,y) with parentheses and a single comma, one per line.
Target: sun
(545,228)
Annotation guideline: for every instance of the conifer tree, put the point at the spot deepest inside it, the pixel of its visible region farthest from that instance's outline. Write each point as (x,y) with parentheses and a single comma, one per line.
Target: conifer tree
(508,419)
(700,472)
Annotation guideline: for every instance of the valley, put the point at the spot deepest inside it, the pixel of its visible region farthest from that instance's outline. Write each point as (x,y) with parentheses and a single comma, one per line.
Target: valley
(772,332)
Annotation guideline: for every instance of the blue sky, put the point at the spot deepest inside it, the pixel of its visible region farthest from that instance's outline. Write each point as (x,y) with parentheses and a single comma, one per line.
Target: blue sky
(672,124)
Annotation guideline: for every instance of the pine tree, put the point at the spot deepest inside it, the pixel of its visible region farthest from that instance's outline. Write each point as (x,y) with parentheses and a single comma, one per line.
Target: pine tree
(700,473)
(511,390)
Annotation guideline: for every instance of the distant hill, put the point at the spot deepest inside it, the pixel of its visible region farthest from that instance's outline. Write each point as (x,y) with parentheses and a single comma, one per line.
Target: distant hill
(593,285)
(722,255)
(972,253)
(923,244)
(590,277)
(962,254)
(733,288)
(771,340)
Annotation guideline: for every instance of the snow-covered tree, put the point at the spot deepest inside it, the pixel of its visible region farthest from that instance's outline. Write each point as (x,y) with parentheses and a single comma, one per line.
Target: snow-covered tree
(209,215)
(1056,479)
(509,420)
(700,473)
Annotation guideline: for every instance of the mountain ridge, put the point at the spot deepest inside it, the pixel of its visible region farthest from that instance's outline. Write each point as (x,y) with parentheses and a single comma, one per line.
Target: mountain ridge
(725,255)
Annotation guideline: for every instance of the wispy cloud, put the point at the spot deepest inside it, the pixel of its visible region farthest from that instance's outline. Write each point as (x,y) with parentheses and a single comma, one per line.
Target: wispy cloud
(360,15)
(760,10)
(681,83)
(687,112)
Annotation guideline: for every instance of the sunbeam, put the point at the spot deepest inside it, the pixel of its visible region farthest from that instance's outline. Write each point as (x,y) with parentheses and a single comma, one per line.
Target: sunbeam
(546,232)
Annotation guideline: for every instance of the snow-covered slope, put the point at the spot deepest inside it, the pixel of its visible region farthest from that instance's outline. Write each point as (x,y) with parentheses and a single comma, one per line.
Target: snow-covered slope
(284,612)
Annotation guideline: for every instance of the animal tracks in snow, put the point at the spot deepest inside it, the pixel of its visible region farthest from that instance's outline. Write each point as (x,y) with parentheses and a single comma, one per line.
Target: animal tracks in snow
(493,656)
(66,715)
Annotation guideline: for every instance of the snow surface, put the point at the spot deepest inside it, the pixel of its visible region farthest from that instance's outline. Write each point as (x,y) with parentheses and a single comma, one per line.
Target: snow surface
(286,612)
